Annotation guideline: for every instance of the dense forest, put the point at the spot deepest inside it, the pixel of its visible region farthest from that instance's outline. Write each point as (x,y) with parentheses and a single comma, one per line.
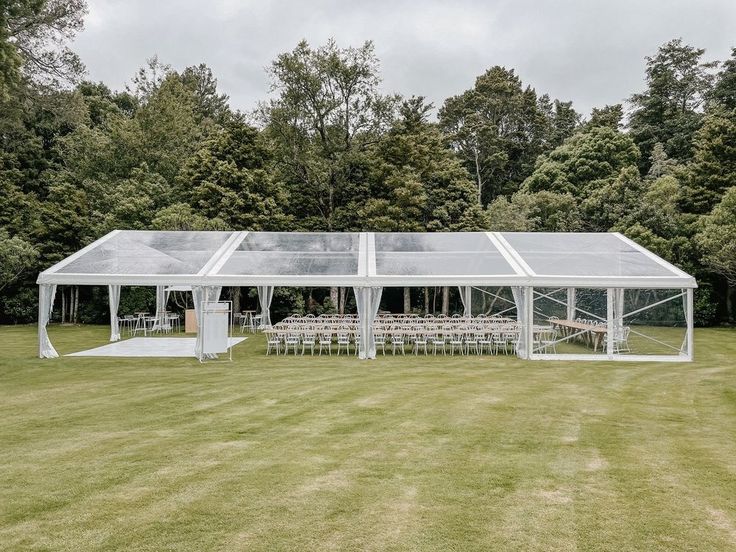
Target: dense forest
(327,149)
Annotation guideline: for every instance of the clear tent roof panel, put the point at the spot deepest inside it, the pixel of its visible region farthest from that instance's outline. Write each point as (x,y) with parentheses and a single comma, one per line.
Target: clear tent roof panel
(374,259)
(585,254)
(294,254)
(149,252)
(439,254)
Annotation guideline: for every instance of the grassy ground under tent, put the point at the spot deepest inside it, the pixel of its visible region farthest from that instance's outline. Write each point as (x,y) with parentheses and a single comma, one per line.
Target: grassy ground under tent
(309,453)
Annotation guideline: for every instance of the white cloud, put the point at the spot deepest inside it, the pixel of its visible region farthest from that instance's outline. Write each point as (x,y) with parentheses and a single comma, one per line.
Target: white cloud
(588,51)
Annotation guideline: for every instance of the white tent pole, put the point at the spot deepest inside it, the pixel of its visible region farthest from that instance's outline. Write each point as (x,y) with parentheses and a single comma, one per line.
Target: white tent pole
(529,329)
(690,323)
(571,304)
(610,301)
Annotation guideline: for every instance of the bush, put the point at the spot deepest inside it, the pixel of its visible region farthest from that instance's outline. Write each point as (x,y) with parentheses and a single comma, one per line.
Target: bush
(20,307)
(705,307)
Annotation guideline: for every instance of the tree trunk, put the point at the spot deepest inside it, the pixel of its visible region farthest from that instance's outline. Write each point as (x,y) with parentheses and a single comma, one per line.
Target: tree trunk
(334,297)
(434,300)
(236,299)
(480,181)
(445,300)
(407,300)
(63,305)
(426,300)
(343,296)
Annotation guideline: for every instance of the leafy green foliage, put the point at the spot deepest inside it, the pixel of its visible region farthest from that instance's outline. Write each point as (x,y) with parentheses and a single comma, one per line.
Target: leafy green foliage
(33,41)
(228,178)
(667,112)
(499,128)
(713,169)
(332,152)
(718,237)
(535,212)
(584,162)
(16,256)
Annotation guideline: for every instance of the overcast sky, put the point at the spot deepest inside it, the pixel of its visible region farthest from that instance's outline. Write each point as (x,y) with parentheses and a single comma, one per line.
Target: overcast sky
(588,51)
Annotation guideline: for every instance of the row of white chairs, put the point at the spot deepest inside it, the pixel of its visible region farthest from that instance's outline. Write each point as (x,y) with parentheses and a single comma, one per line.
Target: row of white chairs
(396,339)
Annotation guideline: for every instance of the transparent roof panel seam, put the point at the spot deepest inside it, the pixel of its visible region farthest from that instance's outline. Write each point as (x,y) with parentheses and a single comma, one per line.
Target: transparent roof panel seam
(363,254)
(371,254)
(509,256)
(223,255)
(509,250)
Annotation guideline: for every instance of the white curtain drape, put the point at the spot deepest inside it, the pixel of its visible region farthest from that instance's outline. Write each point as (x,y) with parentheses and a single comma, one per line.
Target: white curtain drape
(571,302)
(160,305)
(466,296)
(113,293)
(203,294)
(46,294)
(687,305)
(265,294)
(368,300)
(521,299)
(618,311)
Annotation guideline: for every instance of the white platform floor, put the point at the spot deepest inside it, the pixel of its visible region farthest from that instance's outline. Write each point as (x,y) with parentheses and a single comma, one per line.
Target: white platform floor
(149,347)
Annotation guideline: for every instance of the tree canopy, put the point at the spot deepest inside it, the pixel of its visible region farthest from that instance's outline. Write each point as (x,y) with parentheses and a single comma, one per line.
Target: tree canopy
(330,150)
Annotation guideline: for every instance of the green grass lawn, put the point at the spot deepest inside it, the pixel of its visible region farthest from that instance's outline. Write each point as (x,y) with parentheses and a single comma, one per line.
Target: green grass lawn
(331,453)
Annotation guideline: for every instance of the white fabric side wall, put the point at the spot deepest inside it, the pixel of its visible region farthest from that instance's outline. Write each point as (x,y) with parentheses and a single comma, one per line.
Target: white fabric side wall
(618,311)
(466,296)
(610,319)
(571,303)
(368,300)
(46,294)
(265,294)
(202,294)
(113,293)
(522,297)
(160,305)
(687,304)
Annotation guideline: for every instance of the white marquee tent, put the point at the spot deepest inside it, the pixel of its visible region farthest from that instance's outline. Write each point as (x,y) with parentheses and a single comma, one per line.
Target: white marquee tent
(534,266)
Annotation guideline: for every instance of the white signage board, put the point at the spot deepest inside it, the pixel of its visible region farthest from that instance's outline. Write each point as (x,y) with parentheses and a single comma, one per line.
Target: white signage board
(216,326)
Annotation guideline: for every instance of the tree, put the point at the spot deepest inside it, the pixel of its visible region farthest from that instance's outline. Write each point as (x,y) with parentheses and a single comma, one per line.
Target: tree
(659,163)
(543,211)
(668,111)
(609,116)
(713,168)
(16,257)
(418,183)
(203,84)
(168,127)
(724,91)
(498,127)
(718,237)
(33,41)
(229,178)
(180,216)
(328,111)
(586,161)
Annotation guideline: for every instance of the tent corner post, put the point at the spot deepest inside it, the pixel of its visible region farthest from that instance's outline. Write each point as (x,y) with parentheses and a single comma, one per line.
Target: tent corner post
(689,309)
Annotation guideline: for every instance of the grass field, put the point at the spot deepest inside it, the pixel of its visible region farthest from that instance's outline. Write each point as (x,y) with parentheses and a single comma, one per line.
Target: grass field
(275,453)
